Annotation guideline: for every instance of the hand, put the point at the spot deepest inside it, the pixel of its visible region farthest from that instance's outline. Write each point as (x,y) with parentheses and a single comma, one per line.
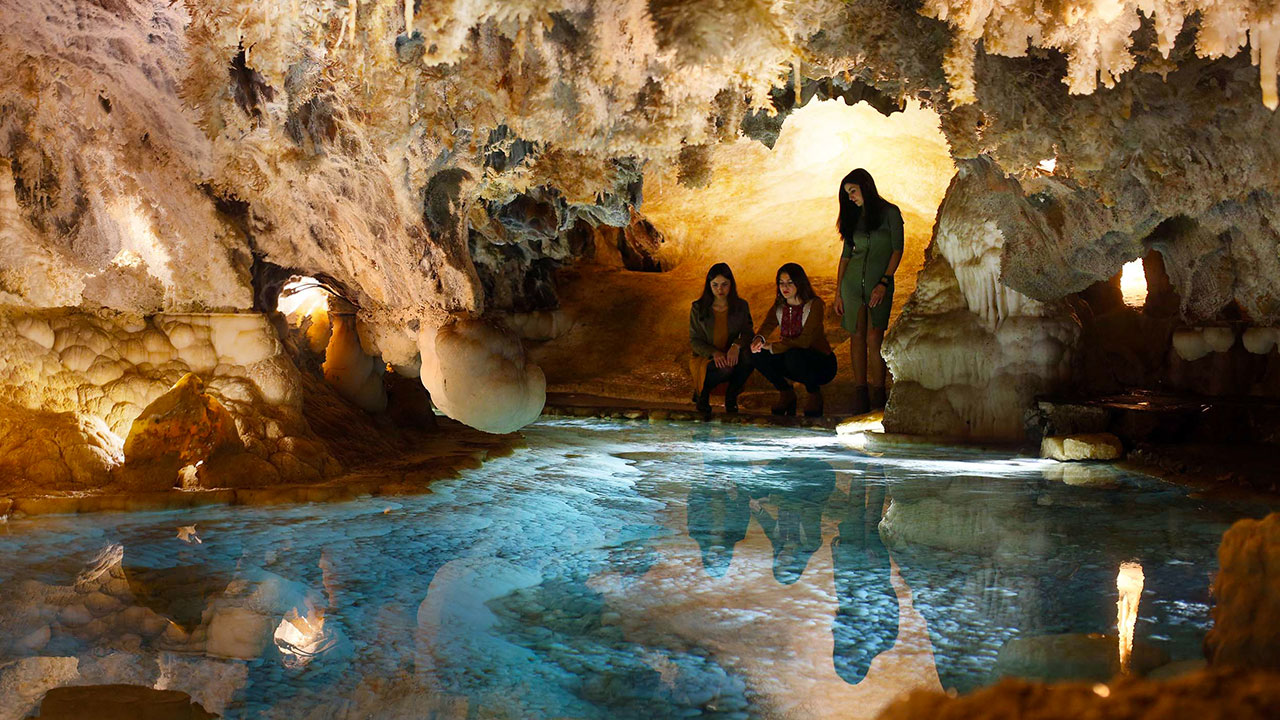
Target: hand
(734,351)
(838,305)
(756,343)
(877,294)
(720,360)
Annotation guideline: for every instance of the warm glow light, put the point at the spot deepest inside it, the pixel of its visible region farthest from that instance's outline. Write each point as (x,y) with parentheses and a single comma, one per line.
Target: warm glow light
(1129,583)
(302,297)
(300,639)
(1048,164)
(764,205)
(1102,690)
(871,422)
(1133,284)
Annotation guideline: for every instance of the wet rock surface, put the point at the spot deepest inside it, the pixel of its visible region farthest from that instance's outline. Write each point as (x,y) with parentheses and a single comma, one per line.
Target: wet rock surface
(120,702)
(1094,446)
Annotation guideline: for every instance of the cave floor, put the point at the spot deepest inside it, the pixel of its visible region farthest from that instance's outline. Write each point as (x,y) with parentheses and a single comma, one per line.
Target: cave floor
(754,410)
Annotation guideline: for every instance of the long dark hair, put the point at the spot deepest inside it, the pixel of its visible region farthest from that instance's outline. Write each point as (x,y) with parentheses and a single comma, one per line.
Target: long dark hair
(804,290)
(703,303)
(872,203)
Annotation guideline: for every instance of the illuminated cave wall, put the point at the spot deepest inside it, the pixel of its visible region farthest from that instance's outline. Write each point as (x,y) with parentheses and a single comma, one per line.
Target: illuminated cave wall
(434,160)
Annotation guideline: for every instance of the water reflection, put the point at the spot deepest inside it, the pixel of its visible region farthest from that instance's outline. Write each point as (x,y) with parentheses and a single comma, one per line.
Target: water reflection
(866,623)
(788,505)
(619,570)
(717,516)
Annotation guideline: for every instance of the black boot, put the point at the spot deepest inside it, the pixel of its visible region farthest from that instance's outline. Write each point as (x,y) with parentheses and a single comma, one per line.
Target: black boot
(813,404)
(702,403)
(731,399)
(786,403)
(861,402)
(878,397)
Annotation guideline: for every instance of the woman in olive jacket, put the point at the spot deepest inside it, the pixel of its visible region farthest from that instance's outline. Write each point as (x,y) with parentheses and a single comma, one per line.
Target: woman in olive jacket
(719,330)
(871,229)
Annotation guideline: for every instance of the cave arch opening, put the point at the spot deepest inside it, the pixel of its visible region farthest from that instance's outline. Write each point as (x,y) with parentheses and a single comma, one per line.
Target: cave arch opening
(755,207)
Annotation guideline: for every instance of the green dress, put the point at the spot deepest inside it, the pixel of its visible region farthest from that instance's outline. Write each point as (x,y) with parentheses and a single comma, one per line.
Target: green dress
(868,254)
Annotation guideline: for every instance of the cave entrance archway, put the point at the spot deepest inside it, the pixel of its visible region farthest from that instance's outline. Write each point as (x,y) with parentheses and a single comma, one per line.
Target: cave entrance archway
(762,207)
(756,209)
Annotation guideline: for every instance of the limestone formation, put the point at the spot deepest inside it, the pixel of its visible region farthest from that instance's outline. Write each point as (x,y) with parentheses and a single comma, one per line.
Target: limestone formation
(969,354)
(182,427)
(1246,615)
(448,159)
(477,373)
(1094,446)
(75,384)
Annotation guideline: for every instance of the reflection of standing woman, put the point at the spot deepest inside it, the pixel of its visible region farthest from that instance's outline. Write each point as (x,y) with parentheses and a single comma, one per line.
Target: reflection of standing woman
(867,619)
(871,229)
(719,329)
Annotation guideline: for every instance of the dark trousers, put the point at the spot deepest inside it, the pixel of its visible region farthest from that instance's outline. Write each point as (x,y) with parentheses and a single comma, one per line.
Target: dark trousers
(736,376)
(808,367)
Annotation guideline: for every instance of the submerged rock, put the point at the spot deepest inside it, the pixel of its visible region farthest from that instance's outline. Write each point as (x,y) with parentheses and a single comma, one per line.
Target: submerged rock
(119,702)
(1073,657)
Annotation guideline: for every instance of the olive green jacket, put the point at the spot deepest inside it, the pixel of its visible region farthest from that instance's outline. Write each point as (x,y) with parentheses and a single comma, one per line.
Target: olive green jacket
(703,324)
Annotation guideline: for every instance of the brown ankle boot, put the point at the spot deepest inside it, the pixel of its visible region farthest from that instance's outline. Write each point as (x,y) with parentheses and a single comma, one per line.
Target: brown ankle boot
(861,402)
(813,404)
(786,403)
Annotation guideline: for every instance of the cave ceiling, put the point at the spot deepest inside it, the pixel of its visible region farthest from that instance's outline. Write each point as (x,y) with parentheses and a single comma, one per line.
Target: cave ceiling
(154,152)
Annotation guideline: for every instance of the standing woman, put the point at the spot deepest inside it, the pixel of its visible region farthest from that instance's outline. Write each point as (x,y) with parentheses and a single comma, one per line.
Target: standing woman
(719,329)
(801,353)
(871,229)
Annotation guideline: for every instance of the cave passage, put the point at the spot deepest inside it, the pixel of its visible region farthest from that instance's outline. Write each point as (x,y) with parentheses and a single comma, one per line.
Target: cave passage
(620,570)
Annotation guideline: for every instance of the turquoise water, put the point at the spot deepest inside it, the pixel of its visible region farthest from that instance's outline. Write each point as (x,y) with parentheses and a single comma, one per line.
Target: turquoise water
(616,570)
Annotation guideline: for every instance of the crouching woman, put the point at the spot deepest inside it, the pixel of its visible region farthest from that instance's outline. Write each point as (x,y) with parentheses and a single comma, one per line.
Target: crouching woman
(801,352)
(719,331)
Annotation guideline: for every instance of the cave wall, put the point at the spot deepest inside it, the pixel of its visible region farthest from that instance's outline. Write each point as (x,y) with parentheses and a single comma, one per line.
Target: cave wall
(436,162)
(74,384)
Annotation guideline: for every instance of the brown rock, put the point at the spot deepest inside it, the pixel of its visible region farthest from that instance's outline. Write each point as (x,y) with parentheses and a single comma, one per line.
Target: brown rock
(119,702)
(182,427)
(1246,617)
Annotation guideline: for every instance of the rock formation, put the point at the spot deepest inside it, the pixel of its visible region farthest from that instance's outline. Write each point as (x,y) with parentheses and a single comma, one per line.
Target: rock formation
(436,164)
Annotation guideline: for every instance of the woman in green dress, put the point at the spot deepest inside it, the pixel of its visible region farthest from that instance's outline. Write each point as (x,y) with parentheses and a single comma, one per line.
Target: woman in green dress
(871,229)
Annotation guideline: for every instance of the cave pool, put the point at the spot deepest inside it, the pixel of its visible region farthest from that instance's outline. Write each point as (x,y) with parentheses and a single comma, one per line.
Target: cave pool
(632,570)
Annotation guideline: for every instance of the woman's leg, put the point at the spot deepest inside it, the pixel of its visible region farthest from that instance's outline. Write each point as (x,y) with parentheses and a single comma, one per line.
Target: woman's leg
(875,368)
(858,348)
(773,368)
(738,375)
(810,368)
(711,377)
(858,361)
(813,369)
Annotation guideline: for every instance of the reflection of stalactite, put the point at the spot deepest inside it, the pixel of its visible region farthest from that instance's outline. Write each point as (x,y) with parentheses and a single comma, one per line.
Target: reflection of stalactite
(1129,582)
